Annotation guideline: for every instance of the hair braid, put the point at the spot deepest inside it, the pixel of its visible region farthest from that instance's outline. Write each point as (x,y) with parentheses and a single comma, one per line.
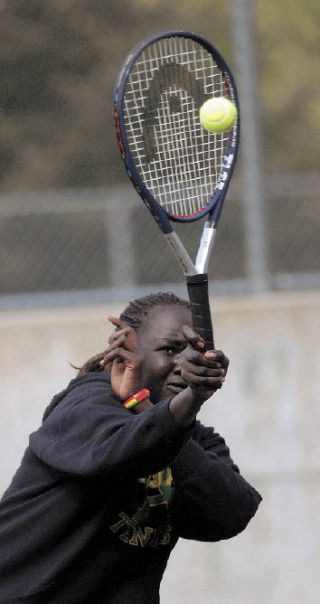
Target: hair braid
(136,311)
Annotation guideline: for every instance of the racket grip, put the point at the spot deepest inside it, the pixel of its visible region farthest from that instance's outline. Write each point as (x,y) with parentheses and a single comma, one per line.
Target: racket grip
(197,286)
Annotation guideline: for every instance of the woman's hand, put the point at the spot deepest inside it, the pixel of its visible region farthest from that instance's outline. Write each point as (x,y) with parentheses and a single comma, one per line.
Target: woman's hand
(204,372)
(124,360)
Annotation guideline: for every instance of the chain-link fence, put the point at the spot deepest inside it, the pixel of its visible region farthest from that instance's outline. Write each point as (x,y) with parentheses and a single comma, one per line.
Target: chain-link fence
(100,243)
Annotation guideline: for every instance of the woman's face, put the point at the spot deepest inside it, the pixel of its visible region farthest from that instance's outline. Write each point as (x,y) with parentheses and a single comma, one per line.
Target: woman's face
(162,341)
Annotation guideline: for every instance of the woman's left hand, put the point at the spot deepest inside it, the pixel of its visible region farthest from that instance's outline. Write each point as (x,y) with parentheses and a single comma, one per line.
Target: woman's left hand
(124,360)
(203,371)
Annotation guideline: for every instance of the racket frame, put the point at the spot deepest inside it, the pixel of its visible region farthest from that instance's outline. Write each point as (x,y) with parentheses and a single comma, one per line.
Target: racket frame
(195,273)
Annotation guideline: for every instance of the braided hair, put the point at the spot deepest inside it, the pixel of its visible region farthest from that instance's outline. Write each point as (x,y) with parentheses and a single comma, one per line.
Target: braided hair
(136,311)
(134,315)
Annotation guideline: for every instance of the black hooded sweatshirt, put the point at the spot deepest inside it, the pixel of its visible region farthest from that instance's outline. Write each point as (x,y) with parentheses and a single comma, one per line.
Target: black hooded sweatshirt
(102,496)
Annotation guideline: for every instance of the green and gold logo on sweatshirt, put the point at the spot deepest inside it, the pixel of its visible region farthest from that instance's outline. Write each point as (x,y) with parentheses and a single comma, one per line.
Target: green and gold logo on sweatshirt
(149,525)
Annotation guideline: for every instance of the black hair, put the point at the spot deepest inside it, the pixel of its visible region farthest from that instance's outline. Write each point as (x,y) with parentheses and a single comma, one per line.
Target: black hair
(134,315)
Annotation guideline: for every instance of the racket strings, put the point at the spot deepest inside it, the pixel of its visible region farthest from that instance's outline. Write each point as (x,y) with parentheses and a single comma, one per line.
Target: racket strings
(177,159)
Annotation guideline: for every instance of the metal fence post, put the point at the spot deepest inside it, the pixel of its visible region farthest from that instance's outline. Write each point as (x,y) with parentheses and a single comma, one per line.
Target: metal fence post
(119,235)
(243,36)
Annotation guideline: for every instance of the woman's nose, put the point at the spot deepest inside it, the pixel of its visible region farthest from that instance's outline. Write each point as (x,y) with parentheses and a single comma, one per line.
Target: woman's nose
(177,363)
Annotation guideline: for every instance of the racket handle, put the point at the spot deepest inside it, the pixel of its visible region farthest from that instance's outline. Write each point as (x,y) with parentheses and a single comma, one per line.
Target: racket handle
(197,286)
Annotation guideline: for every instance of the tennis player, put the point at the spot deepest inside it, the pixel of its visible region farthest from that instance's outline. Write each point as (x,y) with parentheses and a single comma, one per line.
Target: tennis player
(121,468)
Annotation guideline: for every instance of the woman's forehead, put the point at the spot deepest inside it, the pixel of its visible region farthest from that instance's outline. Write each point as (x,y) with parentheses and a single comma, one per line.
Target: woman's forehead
(166,321)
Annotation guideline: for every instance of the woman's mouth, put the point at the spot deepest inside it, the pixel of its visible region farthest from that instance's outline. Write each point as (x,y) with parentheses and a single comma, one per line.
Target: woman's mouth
(176,387)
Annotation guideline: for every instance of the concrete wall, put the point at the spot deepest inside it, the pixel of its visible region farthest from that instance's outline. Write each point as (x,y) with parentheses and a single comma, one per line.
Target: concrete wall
(268,411)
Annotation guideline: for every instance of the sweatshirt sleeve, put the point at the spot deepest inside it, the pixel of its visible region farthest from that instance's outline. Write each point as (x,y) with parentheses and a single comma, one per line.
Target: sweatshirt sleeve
(90,432)
(213,501)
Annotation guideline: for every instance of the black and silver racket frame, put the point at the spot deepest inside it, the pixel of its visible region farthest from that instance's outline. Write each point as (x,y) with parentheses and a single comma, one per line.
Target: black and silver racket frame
(195,273)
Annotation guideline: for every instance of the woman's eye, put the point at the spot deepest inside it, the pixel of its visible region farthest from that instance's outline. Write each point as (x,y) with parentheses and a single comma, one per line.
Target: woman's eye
(171,351)
(168,350)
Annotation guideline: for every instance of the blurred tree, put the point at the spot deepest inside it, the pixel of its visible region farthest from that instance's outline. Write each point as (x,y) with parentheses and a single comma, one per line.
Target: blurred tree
(59,60)
(289,59)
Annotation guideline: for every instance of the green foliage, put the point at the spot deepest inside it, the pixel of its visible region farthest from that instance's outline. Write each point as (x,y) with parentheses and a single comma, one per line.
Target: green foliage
(59,60)
(289,68)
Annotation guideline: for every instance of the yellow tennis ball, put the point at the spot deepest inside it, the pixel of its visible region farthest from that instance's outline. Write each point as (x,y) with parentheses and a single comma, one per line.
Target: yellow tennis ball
(218,114)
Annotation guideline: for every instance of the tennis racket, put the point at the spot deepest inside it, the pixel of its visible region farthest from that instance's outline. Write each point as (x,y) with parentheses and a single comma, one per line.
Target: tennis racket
(181,171)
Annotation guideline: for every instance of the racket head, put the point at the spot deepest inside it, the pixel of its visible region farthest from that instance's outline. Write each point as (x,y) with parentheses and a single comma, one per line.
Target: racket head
(180,170)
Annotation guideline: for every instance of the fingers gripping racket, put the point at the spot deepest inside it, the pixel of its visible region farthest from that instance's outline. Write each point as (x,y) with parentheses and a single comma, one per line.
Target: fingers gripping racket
(180,170)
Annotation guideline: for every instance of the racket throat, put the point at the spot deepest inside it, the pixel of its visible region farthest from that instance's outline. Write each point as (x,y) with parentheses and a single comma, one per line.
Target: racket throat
(180,253)
(205,247)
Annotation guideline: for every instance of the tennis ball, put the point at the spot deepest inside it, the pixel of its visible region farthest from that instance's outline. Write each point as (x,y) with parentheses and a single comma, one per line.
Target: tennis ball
(218,114)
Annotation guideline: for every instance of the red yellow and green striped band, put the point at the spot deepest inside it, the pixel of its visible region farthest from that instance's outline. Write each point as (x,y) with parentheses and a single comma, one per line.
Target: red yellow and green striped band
(136,398)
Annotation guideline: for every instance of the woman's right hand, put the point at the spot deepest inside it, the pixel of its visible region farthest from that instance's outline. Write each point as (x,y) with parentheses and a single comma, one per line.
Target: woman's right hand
(123,359)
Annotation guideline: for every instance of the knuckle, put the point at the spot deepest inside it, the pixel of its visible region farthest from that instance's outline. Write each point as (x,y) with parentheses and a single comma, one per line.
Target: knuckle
(203,371)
